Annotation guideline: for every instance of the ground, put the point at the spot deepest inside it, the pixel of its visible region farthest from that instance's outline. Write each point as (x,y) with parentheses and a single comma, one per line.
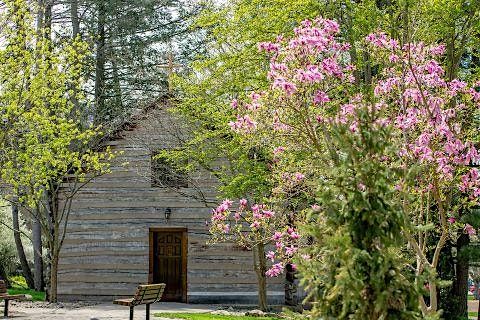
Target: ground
(44,311)
(104,311)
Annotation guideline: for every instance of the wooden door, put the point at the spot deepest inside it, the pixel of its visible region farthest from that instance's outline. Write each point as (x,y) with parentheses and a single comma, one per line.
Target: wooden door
(168,257)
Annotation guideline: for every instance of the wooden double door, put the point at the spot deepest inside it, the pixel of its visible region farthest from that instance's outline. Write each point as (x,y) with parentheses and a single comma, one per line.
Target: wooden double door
(168,261)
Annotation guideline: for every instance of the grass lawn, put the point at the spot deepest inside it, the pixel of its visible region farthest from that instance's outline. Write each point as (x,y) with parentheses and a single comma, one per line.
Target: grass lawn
(36,295)
(208,316)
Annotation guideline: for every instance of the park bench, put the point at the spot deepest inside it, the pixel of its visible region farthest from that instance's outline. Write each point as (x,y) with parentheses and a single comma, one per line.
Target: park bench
(7,297)
(146,294)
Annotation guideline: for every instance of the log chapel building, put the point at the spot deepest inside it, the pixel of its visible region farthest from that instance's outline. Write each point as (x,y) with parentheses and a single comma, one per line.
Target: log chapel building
(145,223)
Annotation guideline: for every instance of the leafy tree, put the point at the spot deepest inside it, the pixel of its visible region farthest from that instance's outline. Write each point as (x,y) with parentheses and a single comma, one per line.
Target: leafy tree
(231,33)
(130,41)
(254,227)
(44,152)
(310,101)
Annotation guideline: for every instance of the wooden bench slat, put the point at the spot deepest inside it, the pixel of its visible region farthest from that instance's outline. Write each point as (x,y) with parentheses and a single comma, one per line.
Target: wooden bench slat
(150,297)
(124,302)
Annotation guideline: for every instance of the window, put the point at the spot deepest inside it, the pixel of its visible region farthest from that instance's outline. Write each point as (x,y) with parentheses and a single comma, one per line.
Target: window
(164,175)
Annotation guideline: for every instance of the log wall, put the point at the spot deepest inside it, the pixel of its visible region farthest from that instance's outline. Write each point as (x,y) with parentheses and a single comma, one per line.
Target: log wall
(106,250)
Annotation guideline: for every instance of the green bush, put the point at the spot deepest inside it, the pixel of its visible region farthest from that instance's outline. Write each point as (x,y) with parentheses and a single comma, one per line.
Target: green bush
(18,282)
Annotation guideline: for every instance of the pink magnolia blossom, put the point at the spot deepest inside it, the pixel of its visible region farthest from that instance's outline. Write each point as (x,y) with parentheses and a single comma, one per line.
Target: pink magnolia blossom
(299,176)
(469,229)
(243,203)
(320,97)
(268,46)
(270,255)
(255,225)
(226,228)
(275,270)
(278,150)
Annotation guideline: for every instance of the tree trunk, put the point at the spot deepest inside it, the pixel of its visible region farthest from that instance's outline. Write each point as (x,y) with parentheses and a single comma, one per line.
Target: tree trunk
(117,88)
(52,295)
(260,268)
(75,34)
(100,64)
(460,285)
(37,254)
(74,18)
(20,251)
(48,18)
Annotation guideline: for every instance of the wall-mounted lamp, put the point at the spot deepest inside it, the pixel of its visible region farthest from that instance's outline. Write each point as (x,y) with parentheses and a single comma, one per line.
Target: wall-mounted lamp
(168,213)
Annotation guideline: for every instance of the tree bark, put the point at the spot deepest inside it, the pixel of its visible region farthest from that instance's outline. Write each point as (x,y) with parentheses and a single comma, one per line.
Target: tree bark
(74,18)
(52,294)
(48,18)
(100,63)
(117,88)
(75,34)
(460,285)
(260,268)
(27,273)
(37,254)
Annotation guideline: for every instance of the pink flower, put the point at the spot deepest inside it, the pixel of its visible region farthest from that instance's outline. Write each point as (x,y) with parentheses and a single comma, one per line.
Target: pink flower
(393,58)
(451,220)
(268,213)
(437,50)
(469,229)
(361,187)
(255,225)
(294,235)
(289,251)
(353,126)
(278,150)
(270,255)
(234,104)
(275,270)
(299,176)
(237,216)
(243,124)
(315,207)
(286,86)
(268,47)
(320,97)
(254,96)
(226,228)
(331,67)
(243,202)
(277,235)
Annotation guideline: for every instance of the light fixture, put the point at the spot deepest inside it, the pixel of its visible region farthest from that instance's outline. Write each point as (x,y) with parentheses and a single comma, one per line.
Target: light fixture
(168,213)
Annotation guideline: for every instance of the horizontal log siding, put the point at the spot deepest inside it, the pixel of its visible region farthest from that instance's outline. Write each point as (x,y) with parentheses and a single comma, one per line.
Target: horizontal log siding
(105,252)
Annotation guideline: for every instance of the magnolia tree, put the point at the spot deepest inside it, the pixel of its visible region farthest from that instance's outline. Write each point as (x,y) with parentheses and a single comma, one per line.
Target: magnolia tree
(254,227)
(385,165)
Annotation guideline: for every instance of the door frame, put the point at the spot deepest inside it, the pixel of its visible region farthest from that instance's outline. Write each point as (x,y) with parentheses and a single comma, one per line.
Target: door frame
(184,232)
